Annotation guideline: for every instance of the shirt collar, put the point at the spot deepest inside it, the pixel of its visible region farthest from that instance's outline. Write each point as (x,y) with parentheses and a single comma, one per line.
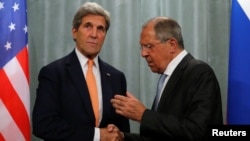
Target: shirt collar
(83,59)
(173,64)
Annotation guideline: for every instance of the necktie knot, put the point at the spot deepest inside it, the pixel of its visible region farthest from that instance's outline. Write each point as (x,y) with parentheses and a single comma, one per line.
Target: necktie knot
(161,81)
(90,63)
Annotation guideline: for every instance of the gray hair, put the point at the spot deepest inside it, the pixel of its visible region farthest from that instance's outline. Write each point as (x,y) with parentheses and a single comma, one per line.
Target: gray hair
(166,28)
(87,9)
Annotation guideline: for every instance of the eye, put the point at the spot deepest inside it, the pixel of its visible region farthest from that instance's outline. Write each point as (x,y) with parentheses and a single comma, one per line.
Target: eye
(146,46)
(87,25)
(101,28)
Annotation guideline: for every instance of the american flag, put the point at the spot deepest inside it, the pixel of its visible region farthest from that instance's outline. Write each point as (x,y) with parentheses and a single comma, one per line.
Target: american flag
(14,72)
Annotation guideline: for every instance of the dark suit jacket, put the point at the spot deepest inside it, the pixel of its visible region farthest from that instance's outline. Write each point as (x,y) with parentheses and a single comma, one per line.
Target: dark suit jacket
(190,104)
(63,110)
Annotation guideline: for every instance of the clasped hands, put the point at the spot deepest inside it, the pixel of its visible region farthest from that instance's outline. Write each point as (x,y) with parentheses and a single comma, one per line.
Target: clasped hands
(127,106)
(111,133)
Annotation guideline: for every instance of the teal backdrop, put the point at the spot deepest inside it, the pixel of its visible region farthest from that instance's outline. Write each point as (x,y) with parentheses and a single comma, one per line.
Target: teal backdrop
(205,26)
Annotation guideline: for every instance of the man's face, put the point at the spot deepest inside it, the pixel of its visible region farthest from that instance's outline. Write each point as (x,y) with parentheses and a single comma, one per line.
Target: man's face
(156,54)
(90,35)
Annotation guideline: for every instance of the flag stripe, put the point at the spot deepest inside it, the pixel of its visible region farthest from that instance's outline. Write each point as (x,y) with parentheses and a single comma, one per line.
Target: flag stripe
(14,105)
(245,4)
(1,137)
(23,59)
(19,81)
(7,133)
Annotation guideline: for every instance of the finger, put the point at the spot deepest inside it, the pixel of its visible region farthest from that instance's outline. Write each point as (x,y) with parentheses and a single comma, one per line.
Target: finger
(112,101)
(129,94)
(115,103)
(118,103)
(115,130)
(111,127)
(119,111)
(120,97)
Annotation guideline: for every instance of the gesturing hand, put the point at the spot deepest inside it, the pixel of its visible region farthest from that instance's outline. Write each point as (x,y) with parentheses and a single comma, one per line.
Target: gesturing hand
(128,106)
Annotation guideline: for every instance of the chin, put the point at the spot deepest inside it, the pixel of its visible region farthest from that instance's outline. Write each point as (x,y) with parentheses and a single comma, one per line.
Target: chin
(154,70)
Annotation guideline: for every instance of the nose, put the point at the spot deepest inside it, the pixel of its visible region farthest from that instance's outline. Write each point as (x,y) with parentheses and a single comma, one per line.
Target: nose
(94,33)
(144,53)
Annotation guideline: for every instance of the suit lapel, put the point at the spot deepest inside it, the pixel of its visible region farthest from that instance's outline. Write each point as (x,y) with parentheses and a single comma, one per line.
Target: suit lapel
(173,80)
(74,69)
(106,77)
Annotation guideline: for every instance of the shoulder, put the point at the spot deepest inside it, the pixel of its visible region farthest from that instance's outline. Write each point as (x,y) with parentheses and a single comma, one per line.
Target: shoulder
(61,63)
(108,67)
(192,64)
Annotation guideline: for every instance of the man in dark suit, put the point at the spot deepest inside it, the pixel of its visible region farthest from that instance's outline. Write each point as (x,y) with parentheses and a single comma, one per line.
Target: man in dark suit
(190,99)
(63,108)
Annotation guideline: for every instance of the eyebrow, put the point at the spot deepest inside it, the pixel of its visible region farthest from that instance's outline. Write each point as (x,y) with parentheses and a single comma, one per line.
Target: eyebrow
(91,23)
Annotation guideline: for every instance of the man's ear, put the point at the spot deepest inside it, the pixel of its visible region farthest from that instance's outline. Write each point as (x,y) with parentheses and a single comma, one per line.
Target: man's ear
(173,45)
(73,32)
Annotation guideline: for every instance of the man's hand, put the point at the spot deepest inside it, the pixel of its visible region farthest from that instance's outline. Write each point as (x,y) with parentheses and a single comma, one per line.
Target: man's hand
(111,133)
(129,106)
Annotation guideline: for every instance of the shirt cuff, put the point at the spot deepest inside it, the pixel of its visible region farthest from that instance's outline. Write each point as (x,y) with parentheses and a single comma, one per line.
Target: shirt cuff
(97,134)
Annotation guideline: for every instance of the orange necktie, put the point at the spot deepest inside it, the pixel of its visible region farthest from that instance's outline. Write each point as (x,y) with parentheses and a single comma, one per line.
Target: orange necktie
(91,82)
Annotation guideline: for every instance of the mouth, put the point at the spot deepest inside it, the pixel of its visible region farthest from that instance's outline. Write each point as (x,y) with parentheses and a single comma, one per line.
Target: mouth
(150,64)
(92,43)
